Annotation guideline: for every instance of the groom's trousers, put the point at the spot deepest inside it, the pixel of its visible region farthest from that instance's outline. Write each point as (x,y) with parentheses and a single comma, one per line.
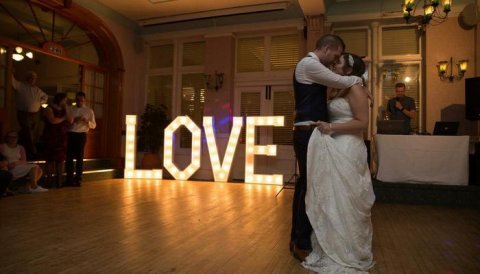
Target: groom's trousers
(301,227)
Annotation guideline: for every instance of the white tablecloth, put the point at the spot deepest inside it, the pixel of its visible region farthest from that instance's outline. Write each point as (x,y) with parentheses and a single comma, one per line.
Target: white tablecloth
(425,159)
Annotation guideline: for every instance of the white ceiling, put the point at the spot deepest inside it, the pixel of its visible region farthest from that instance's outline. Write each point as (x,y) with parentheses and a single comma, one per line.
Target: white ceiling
(141,10)
(155,12)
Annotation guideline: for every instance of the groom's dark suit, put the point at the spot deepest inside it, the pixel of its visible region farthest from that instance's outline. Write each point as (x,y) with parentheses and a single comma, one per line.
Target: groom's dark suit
(310,105)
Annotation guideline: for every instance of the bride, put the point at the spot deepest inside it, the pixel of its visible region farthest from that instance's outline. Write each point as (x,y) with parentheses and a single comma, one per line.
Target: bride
(339,191)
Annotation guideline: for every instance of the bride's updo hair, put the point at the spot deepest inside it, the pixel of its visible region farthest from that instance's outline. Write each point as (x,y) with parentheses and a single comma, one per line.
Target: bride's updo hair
(356,63)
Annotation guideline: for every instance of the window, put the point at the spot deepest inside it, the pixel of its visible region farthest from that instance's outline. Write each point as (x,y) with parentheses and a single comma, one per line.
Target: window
(407,74)
(269,100)
(401,63)
(178,68)
(94,86)
(268,57)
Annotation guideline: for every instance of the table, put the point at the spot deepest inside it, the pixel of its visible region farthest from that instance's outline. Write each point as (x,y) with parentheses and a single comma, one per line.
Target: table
(422,158)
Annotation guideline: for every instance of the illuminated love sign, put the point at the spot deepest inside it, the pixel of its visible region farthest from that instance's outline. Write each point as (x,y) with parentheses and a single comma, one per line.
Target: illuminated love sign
(220,169)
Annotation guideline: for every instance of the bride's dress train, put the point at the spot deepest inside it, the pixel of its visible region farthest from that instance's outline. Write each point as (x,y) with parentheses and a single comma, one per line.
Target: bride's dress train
(339,198)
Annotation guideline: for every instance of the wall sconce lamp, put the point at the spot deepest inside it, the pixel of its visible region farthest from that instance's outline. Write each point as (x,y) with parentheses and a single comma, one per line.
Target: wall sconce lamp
(442,69)
(217,81)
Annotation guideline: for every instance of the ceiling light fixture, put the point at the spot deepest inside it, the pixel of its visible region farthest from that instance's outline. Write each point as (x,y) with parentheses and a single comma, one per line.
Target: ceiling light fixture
(19,54)
(431,11)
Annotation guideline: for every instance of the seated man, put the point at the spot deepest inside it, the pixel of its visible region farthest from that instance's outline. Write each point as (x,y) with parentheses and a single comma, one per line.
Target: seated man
(17,163)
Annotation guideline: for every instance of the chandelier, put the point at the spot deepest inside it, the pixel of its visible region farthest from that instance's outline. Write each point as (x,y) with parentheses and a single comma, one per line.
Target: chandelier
(19,54)
(433,11)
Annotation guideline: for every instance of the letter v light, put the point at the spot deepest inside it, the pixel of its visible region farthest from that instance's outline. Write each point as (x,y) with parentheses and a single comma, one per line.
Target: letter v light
(221,171)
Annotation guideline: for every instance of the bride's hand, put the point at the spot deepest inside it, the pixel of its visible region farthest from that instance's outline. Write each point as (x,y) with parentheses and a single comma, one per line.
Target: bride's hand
(324,127)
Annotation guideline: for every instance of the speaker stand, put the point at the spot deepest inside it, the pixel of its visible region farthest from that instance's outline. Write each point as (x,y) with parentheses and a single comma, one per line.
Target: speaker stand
(290,184)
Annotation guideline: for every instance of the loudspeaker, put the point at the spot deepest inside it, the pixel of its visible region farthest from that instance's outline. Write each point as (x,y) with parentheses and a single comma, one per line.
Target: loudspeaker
(474,166)
(472,98)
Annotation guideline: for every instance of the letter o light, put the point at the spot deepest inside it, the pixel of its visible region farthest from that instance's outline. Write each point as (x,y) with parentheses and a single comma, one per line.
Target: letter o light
(168,148)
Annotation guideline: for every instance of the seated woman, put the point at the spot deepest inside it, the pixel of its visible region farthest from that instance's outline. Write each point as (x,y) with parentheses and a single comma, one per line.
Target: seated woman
(17,163)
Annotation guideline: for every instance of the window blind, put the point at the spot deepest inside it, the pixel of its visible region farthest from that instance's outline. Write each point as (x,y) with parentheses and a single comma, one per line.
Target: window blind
(283,105)
(400,41)
(356,41)
(284,52)
(160,91)
(193,54)
(161,56)
(250,54)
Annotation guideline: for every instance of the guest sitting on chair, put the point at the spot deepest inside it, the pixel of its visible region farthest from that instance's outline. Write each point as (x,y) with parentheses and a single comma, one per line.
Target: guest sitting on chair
(17,163)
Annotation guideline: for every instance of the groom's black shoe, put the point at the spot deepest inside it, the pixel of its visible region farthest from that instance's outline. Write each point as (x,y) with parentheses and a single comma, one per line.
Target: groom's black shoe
(299,253)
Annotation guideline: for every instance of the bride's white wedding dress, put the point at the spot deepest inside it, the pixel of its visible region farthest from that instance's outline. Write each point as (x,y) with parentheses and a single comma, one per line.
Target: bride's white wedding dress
(339,198)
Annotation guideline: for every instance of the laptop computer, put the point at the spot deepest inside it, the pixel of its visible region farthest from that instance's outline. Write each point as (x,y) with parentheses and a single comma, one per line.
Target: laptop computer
(446,128)
(390,127)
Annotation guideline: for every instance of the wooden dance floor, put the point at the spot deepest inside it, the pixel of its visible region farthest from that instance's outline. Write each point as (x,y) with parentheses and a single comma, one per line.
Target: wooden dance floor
(132,226)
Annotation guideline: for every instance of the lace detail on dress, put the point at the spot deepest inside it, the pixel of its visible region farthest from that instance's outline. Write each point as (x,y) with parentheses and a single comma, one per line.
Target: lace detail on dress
(320,262)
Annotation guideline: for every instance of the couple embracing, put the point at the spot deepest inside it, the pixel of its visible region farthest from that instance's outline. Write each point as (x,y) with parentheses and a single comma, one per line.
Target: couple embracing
(331,226)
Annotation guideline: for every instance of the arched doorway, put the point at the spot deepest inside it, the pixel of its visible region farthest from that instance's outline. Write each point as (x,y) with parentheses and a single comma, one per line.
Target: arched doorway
(54,30)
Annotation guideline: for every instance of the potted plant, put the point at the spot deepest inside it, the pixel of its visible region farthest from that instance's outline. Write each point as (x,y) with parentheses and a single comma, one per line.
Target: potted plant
(153,121)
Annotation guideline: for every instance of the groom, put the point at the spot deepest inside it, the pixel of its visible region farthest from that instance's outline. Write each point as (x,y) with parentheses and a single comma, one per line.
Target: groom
(311,79)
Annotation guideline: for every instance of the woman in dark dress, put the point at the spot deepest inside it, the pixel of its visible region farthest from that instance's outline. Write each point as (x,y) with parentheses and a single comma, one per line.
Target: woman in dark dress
(55,138)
